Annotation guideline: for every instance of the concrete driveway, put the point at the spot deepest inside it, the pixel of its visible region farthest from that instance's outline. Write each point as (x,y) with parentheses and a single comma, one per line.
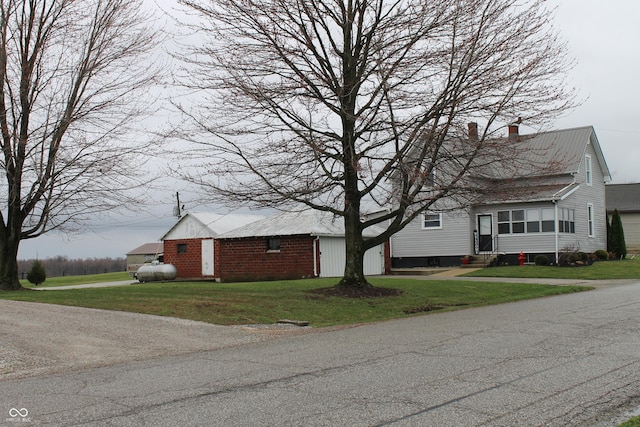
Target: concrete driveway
(566,360)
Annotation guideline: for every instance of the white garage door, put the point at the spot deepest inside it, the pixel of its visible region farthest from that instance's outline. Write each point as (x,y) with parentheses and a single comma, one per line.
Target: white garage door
(332,258)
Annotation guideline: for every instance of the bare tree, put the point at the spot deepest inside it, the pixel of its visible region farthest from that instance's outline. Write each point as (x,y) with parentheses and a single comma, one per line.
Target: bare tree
(73,79)
(351,105)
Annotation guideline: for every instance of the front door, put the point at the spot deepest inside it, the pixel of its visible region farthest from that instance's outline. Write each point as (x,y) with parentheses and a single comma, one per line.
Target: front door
(485,233)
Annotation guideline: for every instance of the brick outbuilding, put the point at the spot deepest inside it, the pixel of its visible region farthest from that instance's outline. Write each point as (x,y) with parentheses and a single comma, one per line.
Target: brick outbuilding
(284,246)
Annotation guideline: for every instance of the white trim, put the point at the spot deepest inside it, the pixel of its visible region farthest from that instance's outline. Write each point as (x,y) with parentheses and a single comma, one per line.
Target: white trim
(431,213)
(591,229)
(588,169)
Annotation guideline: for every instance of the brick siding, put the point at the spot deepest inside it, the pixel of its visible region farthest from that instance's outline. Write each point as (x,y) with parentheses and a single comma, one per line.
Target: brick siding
(248,259)
(188,264)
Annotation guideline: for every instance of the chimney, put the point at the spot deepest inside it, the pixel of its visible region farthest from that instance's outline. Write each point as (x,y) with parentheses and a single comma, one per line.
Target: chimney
(473,131)
(513,131)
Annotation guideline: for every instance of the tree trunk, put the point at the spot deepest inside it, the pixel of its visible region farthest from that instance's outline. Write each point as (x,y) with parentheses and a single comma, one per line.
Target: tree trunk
(9,280)
(354,246)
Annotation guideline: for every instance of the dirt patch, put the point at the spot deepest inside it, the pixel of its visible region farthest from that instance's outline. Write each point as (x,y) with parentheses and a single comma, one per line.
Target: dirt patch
(39,339)
(427,308)
(367,292)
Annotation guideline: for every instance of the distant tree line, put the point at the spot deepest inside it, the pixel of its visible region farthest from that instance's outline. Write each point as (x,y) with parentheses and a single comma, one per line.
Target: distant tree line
(63,266)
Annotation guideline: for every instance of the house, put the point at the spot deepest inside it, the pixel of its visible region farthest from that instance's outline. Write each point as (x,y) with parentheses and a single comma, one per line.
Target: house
(537,214)
(626,199)
(144,254)
(189,244)
(288,245)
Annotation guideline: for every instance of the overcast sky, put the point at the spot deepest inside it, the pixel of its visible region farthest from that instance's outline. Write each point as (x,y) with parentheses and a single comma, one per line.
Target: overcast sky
(603,37)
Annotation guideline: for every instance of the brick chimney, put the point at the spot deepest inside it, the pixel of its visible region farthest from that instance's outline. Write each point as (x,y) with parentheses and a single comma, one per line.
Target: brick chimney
(513,131)
(473,131)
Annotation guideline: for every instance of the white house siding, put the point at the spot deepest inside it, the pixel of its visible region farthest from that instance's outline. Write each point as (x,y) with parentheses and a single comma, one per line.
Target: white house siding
(540,242)
(455,238)
(579,202)
(332,258)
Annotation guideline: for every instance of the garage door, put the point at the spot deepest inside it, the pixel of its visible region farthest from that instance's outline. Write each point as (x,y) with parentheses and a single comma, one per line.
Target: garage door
(332,258)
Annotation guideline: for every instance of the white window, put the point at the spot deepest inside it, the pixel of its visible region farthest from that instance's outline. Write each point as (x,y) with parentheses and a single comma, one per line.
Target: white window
(533,220)
(567,221)
(431,220)
(548,220)
(590,219)
(587,162)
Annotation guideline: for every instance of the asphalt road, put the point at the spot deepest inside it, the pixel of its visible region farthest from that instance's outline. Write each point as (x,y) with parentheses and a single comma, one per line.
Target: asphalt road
(571,360)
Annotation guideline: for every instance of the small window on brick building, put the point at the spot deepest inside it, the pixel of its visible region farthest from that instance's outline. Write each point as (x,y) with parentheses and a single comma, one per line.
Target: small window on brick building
(273,244)
(182,248)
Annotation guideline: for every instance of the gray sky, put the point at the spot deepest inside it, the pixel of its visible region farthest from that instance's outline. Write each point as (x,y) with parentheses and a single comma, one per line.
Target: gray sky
(603,37)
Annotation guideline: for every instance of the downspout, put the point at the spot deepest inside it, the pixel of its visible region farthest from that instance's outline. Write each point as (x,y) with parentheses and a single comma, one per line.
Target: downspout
(556,226)
(316,242)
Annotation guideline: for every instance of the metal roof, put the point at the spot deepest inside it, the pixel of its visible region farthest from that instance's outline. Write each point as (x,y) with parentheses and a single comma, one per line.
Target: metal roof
(624,197)
(215,223)
(310,222)
(147,249)
(557,152)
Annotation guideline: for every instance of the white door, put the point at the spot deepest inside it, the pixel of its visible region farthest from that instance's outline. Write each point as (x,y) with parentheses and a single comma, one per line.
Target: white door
(207,257)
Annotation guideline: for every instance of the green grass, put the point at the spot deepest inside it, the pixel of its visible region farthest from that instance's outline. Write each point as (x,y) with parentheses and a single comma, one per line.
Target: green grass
(601,270)
(268,302)
(79,280)
(633,422)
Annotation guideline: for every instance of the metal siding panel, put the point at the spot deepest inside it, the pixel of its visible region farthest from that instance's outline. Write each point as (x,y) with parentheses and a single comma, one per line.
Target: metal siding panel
(333,258)
(631,227)
(453,239)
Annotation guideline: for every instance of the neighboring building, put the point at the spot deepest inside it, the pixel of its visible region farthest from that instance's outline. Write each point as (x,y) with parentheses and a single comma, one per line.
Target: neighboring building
(284,246)
(626,199)
(534,214)
(144,254)
(189,244)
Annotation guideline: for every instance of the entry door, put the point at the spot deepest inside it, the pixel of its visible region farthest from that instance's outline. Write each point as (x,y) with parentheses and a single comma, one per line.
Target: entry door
(485,233)
(207,257)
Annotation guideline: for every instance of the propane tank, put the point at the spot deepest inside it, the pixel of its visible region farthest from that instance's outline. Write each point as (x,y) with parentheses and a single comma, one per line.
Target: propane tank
(156,272)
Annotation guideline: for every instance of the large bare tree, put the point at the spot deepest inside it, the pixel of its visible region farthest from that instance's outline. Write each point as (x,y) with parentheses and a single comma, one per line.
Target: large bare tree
(349,106)
(74,76)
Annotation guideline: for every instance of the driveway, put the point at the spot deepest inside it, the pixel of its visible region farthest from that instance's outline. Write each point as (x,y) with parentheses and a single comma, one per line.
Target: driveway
(566,360)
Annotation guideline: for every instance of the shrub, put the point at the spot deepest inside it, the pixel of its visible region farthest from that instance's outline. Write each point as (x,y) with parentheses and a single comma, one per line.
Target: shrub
(616,241)
(37,274)
(541,260)
(602,255)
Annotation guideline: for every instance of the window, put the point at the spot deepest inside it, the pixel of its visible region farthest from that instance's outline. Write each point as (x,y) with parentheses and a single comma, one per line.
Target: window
(533,220)
(548,220)
(273,244)
(182,248)
(587,163)
(529,221)
(431,220)
(590,219)
(517,221)
(504,222)
(567,222)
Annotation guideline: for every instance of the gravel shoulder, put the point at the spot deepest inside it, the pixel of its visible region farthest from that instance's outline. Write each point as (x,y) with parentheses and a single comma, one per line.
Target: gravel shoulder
(38,339)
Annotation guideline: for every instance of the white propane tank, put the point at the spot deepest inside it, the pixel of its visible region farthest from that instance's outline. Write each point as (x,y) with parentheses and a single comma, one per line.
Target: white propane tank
(156,272)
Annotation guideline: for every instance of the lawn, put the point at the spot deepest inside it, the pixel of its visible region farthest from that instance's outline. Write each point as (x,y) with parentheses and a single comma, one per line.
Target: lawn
(79,280)
(268,302)
(600,270)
